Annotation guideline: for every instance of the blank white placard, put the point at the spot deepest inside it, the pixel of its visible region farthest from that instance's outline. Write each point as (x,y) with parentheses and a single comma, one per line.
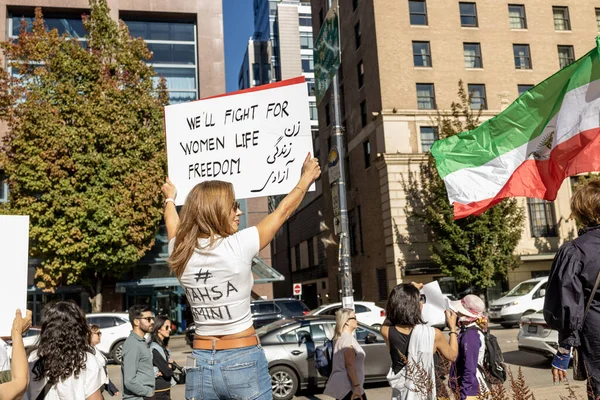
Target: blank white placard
(14,249)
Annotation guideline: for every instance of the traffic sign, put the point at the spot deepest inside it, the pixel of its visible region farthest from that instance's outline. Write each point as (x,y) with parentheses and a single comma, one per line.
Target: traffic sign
(327,51)
(334,165)
(297,289)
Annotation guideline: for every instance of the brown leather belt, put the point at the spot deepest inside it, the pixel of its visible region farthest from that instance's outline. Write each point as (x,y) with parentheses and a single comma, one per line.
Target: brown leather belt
(225,344)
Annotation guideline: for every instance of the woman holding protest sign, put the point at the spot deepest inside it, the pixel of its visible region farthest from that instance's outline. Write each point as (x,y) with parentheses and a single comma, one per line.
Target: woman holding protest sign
(573,308)
(212,261)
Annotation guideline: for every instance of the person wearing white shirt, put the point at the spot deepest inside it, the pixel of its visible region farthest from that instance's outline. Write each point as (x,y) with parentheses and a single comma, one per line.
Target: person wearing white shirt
(64,366)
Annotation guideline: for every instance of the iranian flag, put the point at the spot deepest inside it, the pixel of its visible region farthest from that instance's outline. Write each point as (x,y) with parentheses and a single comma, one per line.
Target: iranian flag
(550,132)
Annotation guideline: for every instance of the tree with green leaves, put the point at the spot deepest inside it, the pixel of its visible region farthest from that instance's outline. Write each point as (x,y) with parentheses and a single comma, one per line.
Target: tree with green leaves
(84,152)
(476,250)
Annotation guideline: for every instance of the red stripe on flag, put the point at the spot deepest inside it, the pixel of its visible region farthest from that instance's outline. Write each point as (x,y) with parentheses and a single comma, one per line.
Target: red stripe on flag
(542,178)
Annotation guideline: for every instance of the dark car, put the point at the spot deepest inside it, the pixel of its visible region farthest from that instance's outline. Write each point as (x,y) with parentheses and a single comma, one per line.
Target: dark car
(290,345)
(264,312)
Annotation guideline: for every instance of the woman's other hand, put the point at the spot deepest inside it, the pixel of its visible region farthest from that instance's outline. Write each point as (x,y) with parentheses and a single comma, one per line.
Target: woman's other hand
(417,285)
(451,318)
(20,324)
(169,190)
(311,169)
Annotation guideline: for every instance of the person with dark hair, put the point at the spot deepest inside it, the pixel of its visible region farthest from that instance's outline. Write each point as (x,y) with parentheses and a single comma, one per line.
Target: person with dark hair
(412,344)
(161,358)
(137,368)
(19,373)
(64,366)
(213,261)
(573,308)
(95,341)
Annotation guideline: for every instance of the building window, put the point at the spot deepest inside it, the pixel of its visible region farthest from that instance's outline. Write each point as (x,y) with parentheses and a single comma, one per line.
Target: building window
(363,113)
(354,5)
(266,73)
(360,232)
(308,64)
(516,16)
(360,70)
(468,14)
(421,54)
(298,257)
(305,20)
(256,74)
(327,115)
(173,45)
(429,134)
(523,88)
(367,153)
(478,98)
(382,284)
(306,40)
(425,96)
(598,19)
(357,34)
(418,12)
(541,217)
(353,228)
(566,56)
(472,55)
(310,84)
(561,18)
(312,106)
(3,188)
(293,258)
(522,56)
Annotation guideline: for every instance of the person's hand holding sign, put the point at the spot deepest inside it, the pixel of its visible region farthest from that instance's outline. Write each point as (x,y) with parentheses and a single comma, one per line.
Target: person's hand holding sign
(311,169)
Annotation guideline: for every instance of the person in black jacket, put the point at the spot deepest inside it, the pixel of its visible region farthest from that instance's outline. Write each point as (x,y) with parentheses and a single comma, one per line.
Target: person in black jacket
(161,358)
(574,272)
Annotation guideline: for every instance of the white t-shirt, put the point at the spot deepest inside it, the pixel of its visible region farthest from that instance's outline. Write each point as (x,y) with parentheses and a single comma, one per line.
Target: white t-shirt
(218,282)
(89,380)
(102,362)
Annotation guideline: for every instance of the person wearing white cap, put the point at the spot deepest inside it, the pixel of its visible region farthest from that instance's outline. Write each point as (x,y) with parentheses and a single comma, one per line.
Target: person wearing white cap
(465,374)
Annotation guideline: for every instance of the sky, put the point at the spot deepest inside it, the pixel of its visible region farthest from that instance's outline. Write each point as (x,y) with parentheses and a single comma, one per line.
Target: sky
(238,26)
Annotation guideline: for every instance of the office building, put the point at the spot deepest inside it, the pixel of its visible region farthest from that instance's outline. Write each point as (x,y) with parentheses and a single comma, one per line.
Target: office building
(401,63)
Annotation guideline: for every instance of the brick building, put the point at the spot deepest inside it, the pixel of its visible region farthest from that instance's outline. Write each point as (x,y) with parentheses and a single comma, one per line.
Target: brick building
(401,63)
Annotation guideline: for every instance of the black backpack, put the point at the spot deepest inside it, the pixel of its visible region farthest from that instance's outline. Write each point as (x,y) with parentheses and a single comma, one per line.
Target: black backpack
(494,369)
(323,358)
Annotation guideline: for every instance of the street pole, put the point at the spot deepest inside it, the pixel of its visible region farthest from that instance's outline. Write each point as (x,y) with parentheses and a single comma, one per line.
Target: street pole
(345,269)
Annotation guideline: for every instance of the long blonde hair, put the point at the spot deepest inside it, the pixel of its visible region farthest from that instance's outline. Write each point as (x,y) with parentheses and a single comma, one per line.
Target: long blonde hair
(341,318)
(206,213)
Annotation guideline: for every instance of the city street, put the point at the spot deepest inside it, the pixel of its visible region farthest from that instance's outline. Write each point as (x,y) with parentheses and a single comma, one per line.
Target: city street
(536,370)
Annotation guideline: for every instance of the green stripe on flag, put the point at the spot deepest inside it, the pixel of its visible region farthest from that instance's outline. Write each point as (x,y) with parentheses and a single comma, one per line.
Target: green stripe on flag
(522,121)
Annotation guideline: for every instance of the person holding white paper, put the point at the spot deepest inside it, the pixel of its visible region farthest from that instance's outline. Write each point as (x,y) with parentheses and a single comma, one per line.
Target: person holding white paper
(213,261)
(18,366)
(412,344)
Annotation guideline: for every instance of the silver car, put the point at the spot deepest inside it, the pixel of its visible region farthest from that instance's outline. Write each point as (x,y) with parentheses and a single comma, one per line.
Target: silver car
(290,344)
(535,336)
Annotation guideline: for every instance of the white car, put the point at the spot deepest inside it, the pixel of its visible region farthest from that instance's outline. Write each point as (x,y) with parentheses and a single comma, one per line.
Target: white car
(526,298)
(30,341)
(366,312)
(535,336)
(115,328)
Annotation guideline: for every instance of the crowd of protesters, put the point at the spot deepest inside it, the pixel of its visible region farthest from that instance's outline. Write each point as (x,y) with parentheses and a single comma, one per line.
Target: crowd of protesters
(207,251)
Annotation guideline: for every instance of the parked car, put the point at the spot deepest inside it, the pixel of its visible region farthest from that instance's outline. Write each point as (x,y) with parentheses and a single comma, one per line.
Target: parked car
(30,339)
(366,312)
(525,299)
(535,336)
(290,344)
(115,329)
(264,312)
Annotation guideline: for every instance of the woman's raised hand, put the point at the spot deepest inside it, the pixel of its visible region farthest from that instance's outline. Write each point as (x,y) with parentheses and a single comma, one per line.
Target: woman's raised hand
(169,190)
(311,168)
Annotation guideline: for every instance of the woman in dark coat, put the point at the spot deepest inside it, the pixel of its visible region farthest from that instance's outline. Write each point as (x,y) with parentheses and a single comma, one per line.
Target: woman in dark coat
(572,278)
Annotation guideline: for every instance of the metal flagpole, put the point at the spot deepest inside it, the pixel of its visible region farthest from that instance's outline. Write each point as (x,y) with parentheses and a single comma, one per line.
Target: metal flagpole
(345,268)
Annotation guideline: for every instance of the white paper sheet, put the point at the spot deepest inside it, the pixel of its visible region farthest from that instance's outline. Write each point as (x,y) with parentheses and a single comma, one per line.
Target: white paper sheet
(433,310)
(14,249)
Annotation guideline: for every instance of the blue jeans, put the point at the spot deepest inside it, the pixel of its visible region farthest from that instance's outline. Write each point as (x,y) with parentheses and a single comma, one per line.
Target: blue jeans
(240,374)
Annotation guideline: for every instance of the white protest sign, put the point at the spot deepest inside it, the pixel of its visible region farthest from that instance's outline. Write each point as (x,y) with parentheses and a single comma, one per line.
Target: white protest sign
(435,306)
(14,249)
(256,139)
